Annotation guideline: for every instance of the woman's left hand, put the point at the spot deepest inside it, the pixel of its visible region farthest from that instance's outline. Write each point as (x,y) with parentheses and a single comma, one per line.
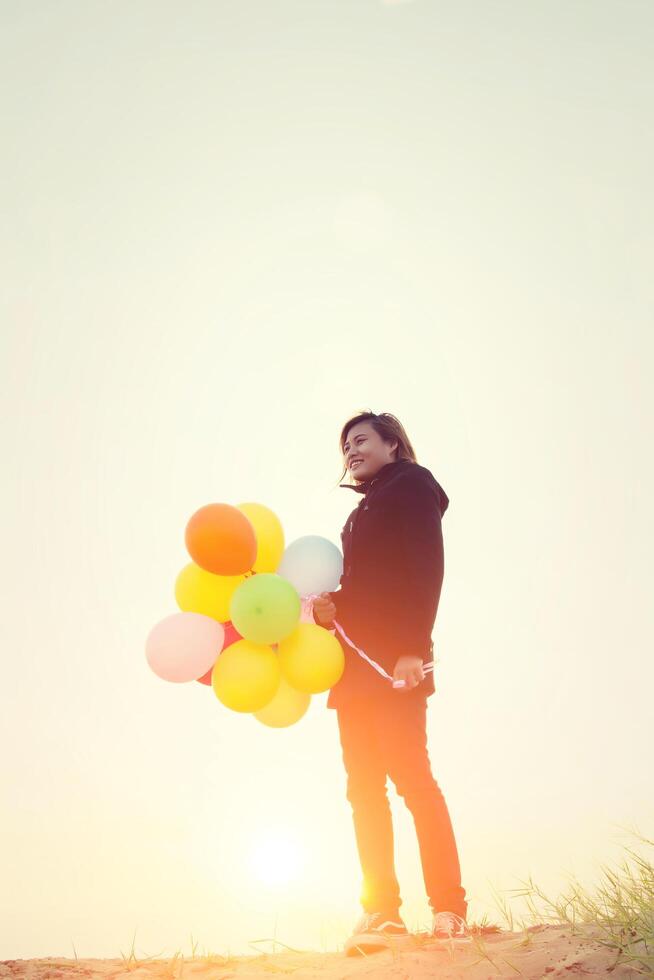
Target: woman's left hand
(409,670)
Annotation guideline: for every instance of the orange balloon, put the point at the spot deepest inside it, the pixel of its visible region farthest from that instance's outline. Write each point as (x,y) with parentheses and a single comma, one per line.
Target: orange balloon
(221,539)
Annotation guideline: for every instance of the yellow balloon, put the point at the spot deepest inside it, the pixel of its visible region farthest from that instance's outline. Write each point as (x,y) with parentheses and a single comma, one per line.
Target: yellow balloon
(311,658)
(287,706)
(197,590)
(246,675)
(269,534)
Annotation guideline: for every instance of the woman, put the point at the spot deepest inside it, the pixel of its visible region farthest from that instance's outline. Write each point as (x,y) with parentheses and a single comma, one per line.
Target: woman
(386,604)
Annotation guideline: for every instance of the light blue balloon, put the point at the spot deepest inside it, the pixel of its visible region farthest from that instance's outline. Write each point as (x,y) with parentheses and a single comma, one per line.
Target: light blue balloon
(312,564)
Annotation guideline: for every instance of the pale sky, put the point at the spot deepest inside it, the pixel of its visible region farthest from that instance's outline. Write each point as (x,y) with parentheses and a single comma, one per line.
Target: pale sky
(226,228)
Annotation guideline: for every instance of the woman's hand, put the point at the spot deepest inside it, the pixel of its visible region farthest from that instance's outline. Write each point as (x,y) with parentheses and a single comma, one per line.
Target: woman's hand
(324,608)
(409,670)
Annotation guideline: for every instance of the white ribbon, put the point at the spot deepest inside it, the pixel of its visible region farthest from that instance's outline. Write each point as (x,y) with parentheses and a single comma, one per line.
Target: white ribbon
(308,599)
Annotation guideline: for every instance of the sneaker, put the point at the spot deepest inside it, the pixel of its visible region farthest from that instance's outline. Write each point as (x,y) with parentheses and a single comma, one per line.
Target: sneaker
(374,931)
(449,925)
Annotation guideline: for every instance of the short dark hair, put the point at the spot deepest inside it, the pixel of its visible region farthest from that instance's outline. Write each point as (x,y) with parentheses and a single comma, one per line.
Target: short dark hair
(388,427)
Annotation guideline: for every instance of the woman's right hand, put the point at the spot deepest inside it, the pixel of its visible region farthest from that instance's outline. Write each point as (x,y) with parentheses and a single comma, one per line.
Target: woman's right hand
(324,608)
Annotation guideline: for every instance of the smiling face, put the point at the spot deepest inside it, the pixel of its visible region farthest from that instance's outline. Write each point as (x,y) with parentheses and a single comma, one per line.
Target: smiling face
(365,452)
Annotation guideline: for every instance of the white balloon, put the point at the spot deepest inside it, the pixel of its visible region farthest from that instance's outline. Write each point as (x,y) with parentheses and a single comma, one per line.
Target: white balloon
(312,564)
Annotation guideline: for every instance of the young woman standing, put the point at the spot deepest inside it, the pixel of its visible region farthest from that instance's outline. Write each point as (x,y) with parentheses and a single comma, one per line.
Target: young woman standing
(386,604)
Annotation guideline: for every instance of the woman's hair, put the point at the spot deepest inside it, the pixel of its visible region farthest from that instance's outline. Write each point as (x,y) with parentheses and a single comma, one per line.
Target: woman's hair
(388,427)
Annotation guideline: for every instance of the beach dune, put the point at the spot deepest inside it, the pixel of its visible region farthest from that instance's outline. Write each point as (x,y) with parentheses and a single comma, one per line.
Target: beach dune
(533,952)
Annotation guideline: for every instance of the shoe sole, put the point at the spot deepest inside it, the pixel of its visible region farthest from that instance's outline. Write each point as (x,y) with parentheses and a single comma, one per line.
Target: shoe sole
(370,942)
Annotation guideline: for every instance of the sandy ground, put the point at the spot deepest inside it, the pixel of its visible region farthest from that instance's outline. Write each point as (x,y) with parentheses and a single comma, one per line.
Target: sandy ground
(535,952)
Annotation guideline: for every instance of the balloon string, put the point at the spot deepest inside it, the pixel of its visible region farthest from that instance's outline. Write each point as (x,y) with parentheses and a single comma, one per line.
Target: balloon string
(426,667)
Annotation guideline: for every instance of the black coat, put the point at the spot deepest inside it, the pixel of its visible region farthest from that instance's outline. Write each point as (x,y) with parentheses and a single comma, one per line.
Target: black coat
(390,588)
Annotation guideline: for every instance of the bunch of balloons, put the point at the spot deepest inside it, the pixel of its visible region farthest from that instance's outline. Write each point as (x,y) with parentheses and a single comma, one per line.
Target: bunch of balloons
(245,626)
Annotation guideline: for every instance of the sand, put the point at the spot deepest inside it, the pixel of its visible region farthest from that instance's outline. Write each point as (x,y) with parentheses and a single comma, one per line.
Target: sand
(534,952)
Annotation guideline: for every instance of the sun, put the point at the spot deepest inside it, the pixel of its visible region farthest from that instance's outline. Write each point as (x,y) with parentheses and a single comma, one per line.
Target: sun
(276,857)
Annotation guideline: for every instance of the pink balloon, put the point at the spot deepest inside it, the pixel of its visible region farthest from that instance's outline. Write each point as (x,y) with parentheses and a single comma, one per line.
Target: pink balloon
(231,636)
(182,647)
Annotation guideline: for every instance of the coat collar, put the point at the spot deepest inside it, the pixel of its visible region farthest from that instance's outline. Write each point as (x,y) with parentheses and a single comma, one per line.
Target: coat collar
(379,476)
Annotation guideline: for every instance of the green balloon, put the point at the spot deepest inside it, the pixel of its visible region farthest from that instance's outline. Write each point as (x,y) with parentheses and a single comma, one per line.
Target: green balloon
(265,608)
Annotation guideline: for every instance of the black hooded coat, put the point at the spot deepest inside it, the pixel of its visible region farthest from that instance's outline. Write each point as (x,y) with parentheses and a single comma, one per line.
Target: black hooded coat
(393,568)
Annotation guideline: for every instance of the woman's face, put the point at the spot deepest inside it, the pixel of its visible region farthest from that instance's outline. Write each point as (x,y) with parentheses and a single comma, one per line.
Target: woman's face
(365,452)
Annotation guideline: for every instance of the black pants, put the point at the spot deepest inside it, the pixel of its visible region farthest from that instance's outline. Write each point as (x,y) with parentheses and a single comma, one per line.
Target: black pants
(390,738)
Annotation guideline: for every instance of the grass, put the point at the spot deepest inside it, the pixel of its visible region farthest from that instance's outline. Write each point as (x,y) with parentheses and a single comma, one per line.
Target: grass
(620,911)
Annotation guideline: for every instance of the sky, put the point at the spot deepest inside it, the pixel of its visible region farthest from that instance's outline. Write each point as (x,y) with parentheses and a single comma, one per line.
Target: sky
(227,228)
